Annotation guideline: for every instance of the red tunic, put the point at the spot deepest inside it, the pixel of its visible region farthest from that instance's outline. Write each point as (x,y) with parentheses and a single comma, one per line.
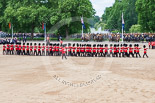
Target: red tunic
(106,50)
(17,48)
(73,49)
(111,48)
(138,50)
(78,49)
(101,49)
(69,48)
(122,49)
(130,49)
(57,48)
(39,48)
(51,48)
(8,47)
(94,50)
(11,47)
(27,48)
(54,49)
(43,48)
(145,50)
(4,47)
(20,47)
(46,48)
(31,47)
(117,49)
(35,48)
(23,47)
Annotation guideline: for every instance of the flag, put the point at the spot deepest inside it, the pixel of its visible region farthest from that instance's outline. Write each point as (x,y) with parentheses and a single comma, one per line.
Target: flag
(83,23)
(9,25)
(123,23)
(43,26)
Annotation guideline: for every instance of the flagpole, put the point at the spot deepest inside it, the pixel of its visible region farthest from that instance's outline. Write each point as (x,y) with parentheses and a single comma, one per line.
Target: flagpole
(82,27)
(45,38)
(122,28)
(12,32)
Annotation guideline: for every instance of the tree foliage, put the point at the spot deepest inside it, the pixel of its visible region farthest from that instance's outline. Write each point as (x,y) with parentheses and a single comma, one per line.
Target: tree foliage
(113,15)
(146,14)
(136,29)
(26,15)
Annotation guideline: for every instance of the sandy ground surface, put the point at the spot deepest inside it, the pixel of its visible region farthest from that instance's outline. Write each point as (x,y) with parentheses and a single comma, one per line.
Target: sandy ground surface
(27,79)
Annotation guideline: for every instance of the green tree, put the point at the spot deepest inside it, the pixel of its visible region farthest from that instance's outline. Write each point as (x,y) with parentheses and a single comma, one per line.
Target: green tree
(113,15)
(136,29)
(72,8)
(146,14)
(26,15)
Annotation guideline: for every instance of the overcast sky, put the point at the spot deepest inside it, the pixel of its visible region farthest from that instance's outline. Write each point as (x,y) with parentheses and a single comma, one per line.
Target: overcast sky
(100,5)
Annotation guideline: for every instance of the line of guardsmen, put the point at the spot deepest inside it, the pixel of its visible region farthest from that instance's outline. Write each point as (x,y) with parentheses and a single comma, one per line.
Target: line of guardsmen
(78,50)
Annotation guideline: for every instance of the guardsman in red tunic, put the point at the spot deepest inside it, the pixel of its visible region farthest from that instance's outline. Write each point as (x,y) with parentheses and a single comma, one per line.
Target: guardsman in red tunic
(90,50)
(131,50)
(17,49)
(101,51)
(57,50)
(82,51)
(69,49)
(27,49)
(74,49)
(23,48)
(106,50)
(54,50)
(98,50)
(20,49)
(4,49)
(149,45)
(78,50)
(11,49)
(31,49)
(126,50)
(47,50)
(39,50)
(115,51)
(8,48)
(137,51)
(121,51)
(50,49)
(145,51)
(94,50)
(35,49)
(111,50)
(64,51)
(43,49)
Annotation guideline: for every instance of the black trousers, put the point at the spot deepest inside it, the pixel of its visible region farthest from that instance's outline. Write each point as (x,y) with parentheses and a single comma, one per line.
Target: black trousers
(4,52)
(78,54)
(23,53)
(51,53)
(145,55)
(7,52)
(111,54)
(35,52)
(105,54)
(31,52)
(47,53)
(138,54)
(64,55)
(28,52)
(43,53)
(11,52)
(39,53)
(131,53)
